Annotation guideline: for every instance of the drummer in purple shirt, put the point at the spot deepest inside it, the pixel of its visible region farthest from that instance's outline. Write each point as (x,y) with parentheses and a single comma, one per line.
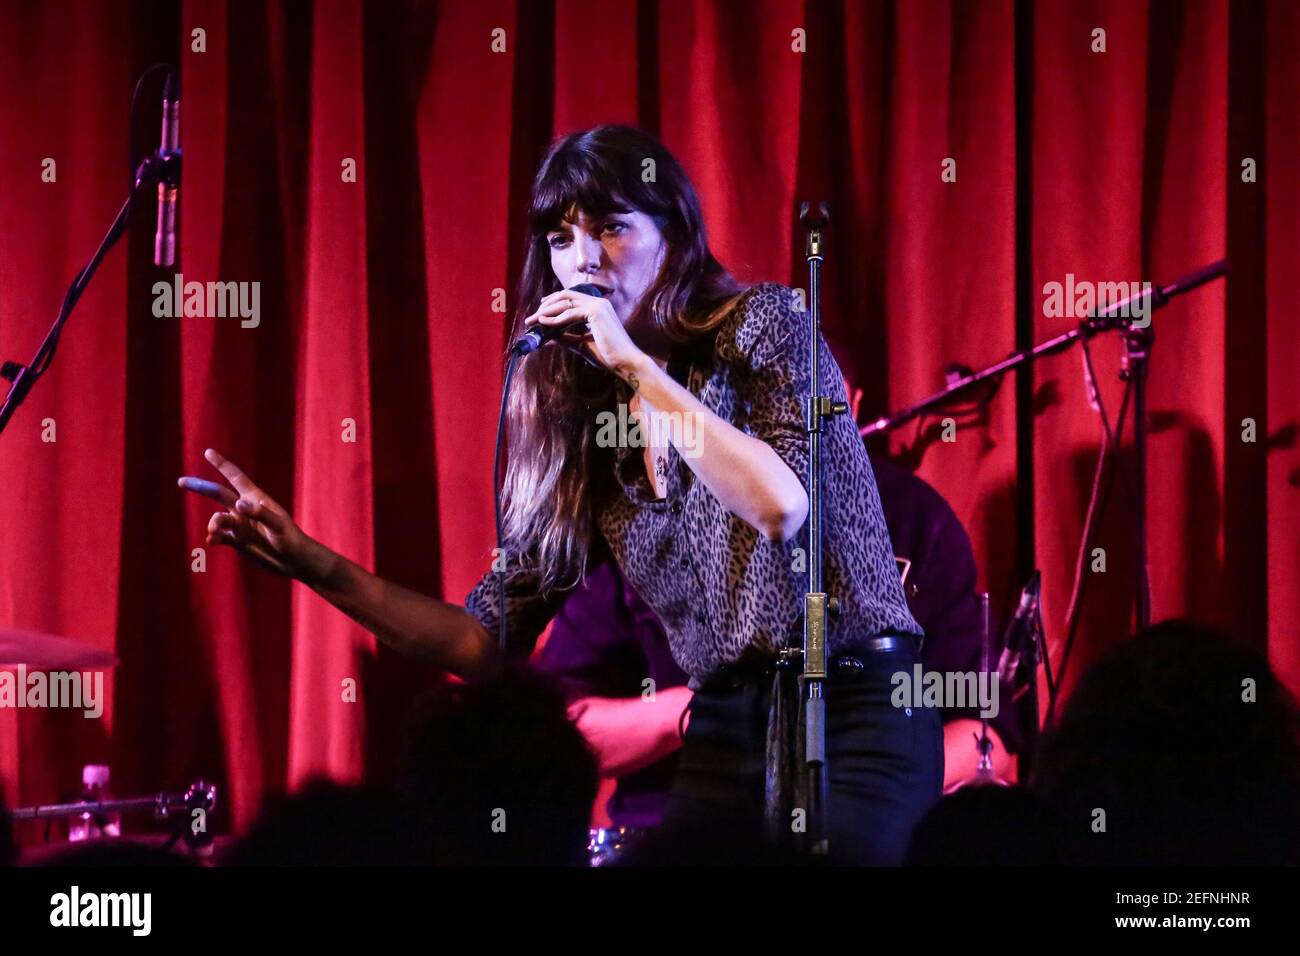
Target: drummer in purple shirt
(629,697)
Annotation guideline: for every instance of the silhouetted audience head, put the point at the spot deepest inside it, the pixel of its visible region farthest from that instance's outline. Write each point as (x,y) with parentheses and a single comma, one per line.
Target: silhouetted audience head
(988,826)
(501,773)
(1178,747)
(329,824)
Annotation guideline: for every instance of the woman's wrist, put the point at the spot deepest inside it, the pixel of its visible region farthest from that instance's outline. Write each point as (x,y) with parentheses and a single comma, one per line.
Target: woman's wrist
(319,566)
(636,370)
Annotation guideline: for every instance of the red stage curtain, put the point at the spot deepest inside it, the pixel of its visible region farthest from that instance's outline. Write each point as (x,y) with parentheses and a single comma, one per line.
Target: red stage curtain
(377,318)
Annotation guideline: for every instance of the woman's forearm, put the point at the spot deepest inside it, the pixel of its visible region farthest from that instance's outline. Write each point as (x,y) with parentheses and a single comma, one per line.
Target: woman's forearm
(409,622)
(742,472)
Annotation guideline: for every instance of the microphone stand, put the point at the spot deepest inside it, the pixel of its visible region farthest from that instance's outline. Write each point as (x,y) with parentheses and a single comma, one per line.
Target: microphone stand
(820,410)
(1137,365)
(984,767)
(1037,654)
(1022,652)
(162,165)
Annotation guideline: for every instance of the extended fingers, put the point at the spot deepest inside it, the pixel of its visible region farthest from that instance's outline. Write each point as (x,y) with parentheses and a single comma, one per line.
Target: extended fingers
(232,472)
(209,489)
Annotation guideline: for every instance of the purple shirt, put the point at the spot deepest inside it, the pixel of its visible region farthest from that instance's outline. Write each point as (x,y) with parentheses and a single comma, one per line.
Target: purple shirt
(604,643)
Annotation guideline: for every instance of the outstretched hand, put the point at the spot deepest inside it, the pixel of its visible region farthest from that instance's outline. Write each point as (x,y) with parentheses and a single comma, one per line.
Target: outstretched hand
(253,522)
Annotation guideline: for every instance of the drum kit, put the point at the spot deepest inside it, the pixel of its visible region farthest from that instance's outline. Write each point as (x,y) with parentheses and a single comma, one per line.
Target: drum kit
(984,773)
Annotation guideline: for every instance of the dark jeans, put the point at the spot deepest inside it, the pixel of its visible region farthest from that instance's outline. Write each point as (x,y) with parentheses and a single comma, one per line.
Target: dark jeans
(885,763)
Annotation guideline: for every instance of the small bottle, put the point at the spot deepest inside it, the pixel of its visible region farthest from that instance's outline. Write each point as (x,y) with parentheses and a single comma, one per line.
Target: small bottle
(92,826)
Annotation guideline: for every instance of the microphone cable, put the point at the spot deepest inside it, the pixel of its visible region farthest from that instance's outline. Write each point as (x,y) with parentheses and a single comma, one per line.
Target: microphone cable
(511,362)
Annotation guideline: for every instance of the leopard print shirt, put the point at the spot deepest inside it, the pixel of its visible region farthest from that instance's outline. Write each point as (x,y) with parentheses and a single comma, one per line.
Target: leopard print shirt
(722,590)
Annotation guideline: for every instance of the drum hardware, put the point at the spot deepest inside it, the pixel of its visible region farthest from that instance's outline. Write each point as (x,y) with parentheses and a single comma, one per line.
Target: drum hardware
(984,769)
(984,773)
(179,808)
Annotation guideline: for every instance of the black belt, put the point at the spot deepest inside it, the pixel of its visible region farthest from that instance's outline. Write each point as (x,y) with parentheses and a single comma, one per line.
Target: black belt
(761,666)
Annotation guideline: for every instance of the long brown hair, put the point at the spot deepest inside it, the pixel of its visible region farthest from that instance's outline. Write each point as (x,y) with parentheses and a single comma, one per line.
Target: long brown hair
(555,467)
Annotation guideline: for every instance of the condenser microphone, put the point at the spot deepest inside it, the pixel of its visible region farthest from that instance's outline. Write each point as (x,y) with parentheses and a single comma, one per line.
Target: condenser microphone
(169,142)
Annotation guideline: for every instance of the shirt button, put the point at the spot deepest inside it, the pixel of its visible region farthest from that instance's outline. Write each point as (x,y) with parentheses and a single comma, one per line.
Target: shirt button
(684,564)
(676,508)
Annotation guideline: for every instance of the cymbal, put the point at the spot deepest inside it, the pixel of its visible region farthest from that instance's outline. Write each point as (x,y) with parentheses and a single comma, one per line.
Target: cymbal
(48,652)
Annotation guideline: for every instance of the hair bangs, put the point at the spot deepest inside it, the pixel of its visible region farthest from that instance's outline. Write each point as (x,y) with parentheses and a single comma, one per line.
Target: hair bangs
(578,179)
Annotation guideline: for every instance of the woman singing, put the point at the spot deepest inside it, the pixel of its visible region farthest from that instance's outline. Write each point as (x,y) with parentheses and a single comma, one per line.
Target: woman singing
(702,507)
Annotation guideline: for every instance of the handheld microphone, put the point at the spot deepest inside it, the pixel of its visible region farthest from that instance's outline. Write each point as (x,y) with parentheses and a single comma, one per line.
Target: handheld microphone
(164,240)
(539,335)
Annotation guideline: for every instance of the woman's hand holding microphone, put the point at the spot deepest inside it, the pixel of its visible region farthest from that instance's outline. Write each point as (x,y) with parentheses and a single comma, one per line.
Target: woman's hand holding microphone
(606,340)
